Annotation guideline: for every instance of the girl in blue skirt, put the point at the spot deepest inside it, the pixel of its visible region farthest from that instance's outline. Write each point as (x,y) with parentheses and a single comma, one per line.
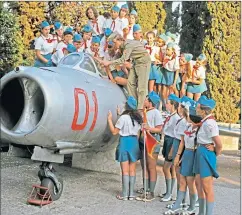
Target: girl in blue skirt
(168,130)
(196,80)
(127,152)
(186,157)
(209,146)
(170,69)
(45,46)
(153,51)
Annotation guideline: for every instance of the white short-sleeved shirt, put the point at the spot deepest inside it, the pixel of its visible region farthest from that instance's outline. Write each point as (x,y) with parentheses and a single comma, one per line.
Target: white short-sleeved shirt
(153,51)
(115,25)
(126,127)
(200,72)
(44,46)
(130,34)
(57,56)
(103,46)
(189,137)
(97,25)
(170,125)
(180,128)
(172,65)
(154,118)
(125,22)
(207,131)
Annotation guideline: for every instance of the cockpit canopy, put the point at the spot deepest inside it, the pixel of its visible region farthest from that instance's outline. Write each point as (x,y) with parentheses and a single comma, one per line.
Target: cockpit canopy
(82,62)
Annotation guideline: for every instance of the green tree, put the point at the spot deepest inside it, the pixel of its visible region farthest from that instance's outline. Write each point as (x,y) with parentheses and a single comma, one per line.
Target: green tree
(151,15)
(195,19)
(11,47)
(171,21)
(221,46)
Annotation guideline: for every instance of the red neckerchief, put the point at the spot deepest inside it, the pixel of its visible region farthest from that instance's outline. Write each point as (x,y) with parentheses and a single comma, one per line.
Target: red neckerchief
(95,52)
(189,133)
(85,44)
(63,49)
(168,118)
(95,22)
(106,44)
(161,56)
(147,47)
(113,24)
(166,60)
(48,40)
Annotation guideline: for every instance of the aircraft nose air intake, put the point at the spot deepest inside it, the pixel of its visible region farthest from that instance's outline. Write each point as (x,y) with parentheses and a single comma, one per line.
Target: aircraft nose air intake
(22,105)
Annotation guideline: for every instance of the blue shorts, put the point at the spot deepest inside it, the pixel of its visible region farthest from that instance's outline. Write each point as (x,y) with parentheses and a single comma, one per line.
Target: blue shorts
(168,141)
(205,163)
(128,149)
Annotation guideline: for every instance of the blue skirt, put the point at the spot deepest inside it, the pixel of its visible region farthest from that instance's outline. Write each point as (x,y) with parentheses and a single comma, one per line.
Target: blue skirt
(168,141)
(128,149)
(167,77)
(187,163)
(153,72)
(205,163)
(195,88)
(159,77)
(175,145)
(39,63)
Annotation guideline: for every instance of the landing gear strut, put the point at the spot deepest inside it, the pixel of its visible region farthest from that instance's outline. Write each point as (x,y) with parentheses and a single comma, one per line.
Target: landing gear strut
(49,179)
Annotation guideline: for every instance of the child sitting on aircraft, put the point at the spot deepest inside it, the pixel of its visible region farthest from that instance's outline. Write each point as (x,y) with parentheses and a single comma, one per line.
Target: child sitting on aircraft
(77,42)
(94,48)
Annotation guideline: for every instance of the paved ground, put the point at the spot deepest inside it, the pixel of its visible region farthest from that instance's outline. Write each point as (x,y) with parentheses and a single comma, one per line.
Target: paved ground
(87,192)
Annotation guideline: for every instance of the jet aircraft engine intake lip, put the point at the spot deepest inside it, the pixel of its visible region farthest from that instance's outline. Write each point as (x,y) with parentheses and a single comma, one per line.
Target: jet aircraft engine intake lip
(22,105)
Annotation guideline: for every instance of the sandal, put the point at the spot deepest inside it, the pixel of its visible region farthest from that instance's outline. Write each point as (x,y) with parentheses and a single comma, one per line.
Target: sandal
(173,212)
(119,197)
(140,191)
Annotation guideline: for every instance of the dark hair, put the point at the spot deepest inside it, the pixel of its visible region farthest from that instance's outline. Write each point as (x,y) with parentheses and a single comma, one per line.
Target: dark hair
(185,111)
(195,119)
(134,115)
(153,105)
(150,32)
(207,110)
(94,11)
(106,15)
(176,104)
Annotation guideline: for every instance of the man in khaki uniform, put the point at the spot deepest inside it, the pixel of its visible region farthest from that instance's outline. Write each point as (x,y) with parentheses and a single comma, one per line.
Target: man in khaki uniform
(139,73)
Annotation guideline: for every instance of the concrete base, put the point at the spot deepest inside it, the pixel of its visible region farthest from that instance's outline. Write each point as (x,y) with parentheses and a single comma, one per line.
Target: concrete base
(97,161)
(230,143)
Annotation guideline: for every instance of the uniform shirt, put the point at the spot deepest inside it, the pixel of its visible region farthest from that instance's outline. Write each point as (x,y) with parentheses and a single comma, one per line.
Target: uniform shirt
(126,127)
(80,49)
(177,50)
(44,46)
(86,45)
(57,56)
(125,22)
(97,25)
(154,118)
(152,51)
(170,125)
(207,131)
(180,128)
(134,50)
(115,25)
(200,72)
(189,136)
(172,65)
(103,46)
(130,34)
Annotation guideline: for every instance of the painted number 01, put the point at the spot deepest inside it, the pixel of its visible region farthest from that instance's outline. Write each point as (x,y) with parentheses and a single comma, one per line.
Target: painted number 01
(75,126)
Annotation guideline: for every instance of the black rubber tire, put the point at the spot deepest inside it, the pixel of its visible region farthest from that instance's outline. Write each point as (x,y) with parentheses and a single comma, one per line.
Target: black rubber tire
(47,182)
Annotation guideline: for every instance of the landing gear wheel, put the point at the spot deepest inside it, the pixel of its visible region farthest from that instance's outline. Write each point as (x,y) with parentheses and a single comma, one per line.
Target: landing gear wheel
(47,182)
